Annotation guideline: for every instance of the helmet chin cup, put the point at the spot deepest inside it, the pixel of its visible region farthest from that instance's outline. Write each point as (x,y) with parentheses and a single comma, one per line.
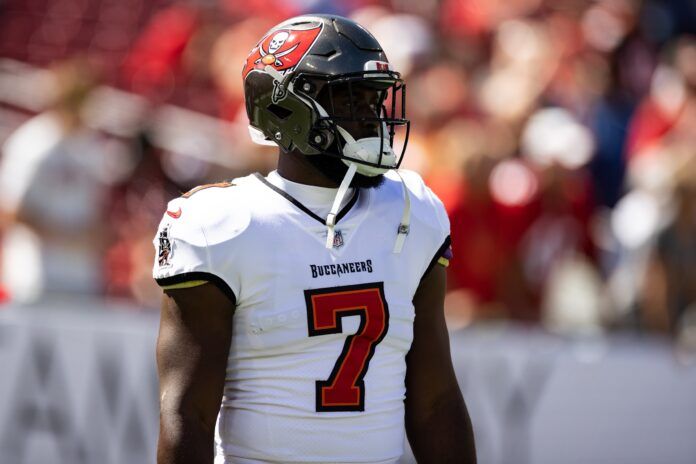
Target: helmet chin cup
(259,138)
(367,149)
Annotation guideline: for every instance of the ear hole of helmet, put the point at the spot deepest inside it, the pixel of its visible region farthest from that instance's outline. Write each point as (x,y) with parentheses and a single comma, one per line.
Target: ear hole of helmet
(279,111)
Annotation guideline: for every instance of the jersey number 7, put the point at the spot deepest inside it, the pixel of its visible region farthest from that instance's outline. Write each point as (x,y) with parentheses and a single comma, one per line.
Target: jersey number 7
(344,390)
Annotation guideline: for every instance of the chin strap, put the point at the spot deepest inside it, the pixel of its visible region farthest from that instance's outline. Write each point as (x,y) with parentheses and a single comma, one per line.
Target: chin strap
(331,218)
(405,224)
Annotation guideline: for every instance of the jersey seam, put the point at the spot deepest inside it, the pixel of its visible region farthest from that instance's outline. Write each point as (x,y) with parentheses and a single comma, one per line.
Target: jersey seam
(207,250)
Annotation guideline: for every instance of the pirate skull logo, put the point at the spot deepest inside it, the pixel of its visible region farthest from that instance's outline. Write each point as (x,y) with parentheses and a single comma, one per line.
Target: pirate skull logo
(282,48)
(273,55)
(278,41)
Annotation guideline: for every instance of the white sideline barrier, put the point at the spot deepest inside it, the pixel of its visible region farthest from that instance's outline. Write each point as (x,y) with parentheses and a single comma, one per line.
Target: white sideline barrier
(539,399)
(79,386)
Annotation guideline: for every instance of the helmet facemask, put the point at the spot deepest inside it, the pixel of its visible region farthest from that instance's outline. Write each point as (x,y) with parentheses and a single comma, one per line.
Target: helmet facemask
(357,124)
(358,115)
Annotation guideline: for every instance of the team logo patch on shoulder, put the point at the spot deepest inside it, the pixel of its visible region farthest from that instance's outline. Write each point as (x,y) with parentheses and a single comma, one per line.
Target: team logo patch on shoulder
(283,48)
(164,248)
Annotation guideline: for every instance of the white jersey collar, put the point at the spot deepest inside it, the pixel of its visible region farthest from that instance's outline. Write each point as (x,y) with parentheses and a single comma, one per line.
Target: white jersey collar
(317,199)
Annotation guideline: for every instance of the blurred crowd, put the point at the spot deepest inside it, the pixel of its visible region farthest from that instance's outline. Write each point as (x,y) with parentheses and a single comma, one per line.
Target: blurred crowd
(561,136)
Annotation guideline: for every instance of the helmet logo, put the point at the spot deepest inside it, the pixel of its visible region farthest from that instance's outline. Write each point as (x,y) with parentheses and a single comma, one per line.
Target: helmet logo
(277,41)
(279,92)
(273,55)
(283,48)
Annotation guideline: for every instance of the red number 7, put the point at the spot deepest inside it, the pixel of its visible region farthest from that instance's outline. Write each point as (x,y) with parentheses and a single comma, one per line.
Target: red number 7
(344,390)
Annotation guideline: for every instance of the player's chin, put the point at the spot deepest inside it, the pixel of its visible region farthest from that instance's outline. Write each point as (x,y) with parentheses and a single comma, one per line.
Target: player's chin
(334,169)
(362,181)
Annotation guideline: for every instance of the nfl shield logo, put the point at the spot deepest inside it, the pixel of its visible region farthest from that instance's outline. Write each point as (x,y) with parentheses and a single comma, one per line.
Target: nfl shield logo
(338,239)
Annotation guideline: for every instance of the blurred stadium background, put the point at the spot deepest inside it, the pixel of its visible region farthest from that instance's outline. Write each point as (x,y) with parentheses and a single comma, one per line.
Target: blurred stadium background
(561,136)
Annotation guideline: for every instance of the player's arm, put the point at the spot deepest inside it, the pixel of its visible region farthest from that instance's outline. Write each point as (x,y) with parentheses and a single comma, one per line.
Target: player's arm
(192,349)
(437,421)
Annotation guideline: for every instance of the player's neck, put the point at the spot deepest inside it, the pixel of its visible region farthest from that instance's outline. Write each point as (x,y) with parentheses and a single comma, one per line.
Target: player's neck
(295,168)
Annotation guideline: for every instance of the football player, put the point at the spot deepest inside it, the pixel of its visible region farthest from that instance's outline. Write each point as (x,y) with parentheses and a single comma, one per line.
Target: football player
(302,320)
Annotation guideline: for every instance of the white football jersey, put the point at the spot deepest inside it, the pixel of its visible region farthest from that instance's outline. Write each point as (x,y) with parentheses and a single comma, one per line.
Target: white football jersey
(317,364)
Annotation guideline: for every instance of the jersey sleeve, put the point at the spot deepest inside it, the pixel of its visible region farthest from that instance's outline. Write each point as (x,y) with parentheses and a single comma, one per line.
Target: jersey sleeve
(182,252)
(443,254)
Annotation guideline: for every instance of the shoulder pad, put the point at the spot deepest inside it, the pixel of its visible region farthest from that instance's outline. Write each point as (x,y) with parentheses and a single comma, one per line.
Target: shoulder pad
(425,205)
(219,211)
